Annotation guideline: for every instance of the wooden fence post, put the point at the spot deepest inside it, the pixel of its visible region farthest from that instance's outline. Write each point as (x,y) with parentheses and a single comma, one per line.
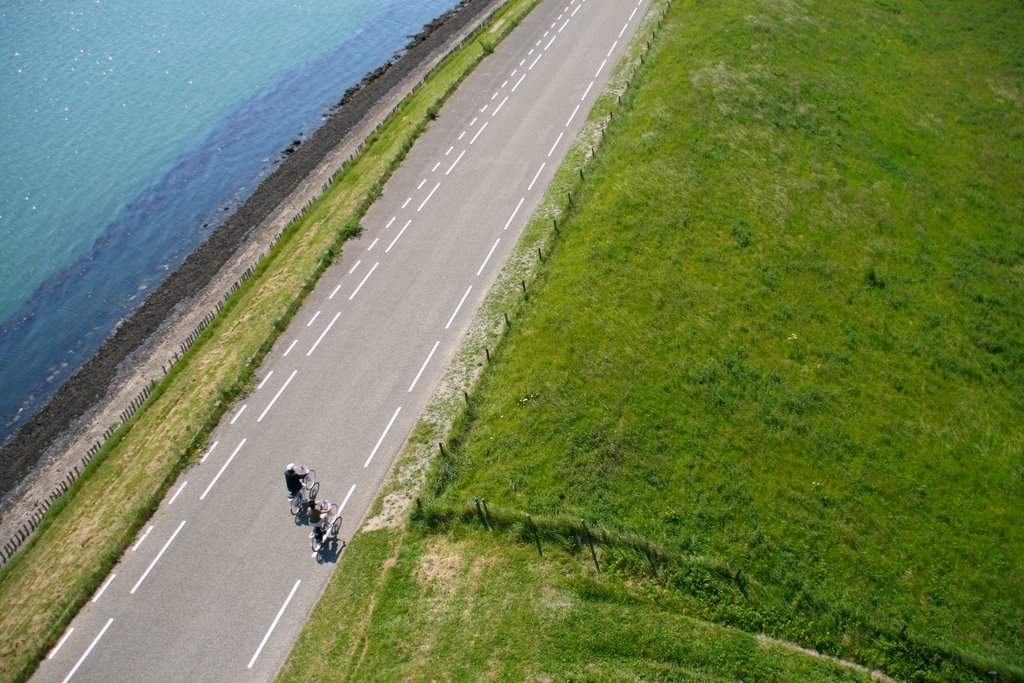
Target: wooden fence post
(590,541)
(487,515)
(480,512)
(536,534)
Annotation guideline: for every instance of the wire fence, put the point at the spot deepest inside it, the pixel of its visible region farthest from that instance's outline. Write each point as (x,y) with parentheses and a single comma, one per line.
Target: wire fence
(575,535)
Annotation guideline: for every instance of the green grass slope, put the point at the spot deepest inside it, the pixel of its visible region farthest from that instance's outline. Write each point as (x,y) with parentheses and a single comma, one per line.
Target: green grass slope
(447,609)
(783,327)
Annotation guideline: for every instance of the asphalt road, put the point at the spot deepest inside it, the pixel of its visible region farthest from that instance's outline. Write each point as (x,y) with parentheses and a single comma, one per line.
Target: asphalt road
(220,581)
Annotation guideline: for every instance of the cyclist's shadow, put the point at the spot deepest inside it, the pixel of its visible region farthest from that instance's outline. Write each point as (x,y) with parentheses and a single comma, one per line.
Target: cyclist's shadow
(331,551)
(302,516)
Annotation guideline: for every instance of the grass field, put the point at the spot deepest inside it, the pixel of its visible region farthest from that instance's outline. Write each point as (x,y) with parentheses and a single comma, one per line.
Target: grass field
(84,533)
(450,609)
(783,328)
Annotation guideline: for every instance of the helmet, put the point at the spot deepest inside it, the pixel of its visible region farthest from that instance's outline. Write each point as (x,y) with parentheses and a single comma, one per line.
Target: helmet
(291,467)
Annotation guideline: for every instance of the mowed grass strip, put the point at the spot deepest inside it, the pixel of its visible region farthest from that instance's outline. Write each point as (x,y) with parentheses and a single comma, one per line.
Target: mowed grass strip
(411,606)
(86,532)
(784,328)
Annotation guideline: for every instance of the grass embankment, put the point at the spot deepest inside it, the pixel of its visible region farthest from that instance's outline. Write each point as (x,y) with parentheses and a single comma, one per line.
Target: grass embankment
(782,328)
(85,533)
(440,608)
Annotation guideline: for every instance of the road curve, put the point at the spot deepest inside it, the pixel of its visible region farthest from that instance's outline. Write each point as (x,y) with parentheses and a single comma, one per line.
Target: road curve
(218,584)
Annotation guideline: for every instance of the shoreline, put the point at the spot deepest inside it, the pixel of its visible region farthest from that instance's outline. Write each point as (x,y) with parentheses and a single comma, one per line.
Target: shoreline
(40,453)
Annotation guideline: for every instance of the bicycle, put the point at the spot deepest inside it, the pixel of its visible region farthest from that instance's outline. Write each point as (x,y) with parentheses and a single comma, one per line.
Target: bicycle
(310,488)
(330,533)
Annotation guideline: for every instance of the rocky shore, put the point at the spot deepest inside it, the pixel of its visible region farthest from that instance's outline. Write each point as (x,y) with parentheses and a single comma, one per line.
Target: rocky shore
(42,451)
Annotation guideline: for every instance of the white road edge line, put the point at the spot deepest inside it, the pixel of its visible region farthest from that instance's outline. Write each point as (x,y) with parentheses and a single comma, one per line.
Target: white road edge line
(395,217)
(572,116)
(459,307)
(353,268)
(290,347)
(587,91)
(228,461)
(274,625)
(521,200)
(207,454)
(534,63)
(269,375)
(424,181)
(313,319)
(406,202)
(175,496)
(424,366)
(518,82)
(367,277)
(276,396)
(612,48)
(156,559)
(334,292)
(624,27)
(60,643)
(552,39)
(400,233)
(484,264)
(498,108)
(428,197)
(88,650)
(600,68)
(347,496)
(381,439)
(239,413)
(103,587)
(139,542)
(322,335)
(536,176)
(559,139)
(373,244)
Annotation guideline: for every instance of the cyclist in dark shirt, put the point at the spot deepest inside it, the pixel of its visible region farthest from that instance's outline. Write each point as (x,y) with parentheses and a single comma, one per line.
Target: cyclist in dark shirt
(294,476)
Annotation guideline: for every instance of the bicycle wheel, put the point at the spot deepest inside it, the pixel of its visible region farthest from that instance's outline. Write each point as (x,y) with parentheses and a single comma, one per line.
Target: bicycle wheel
(314,489)
(314,544)
(310,481)
(335,527)
(294,505)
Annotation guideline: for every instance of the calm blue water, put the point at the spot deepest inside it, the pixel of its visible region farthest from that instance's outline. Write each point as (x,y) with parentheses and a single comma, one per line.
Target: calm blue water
(127,125)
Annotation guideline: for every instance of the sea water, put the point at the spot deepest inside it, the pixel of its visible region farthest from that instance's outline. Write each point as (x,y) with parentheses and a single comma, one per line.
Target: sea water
(126,126)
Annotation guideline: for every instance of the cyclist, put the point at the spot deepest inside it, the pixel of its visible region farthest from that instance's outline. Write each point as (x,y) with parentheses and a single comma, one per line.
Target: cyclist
(320,515)
(294,476)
